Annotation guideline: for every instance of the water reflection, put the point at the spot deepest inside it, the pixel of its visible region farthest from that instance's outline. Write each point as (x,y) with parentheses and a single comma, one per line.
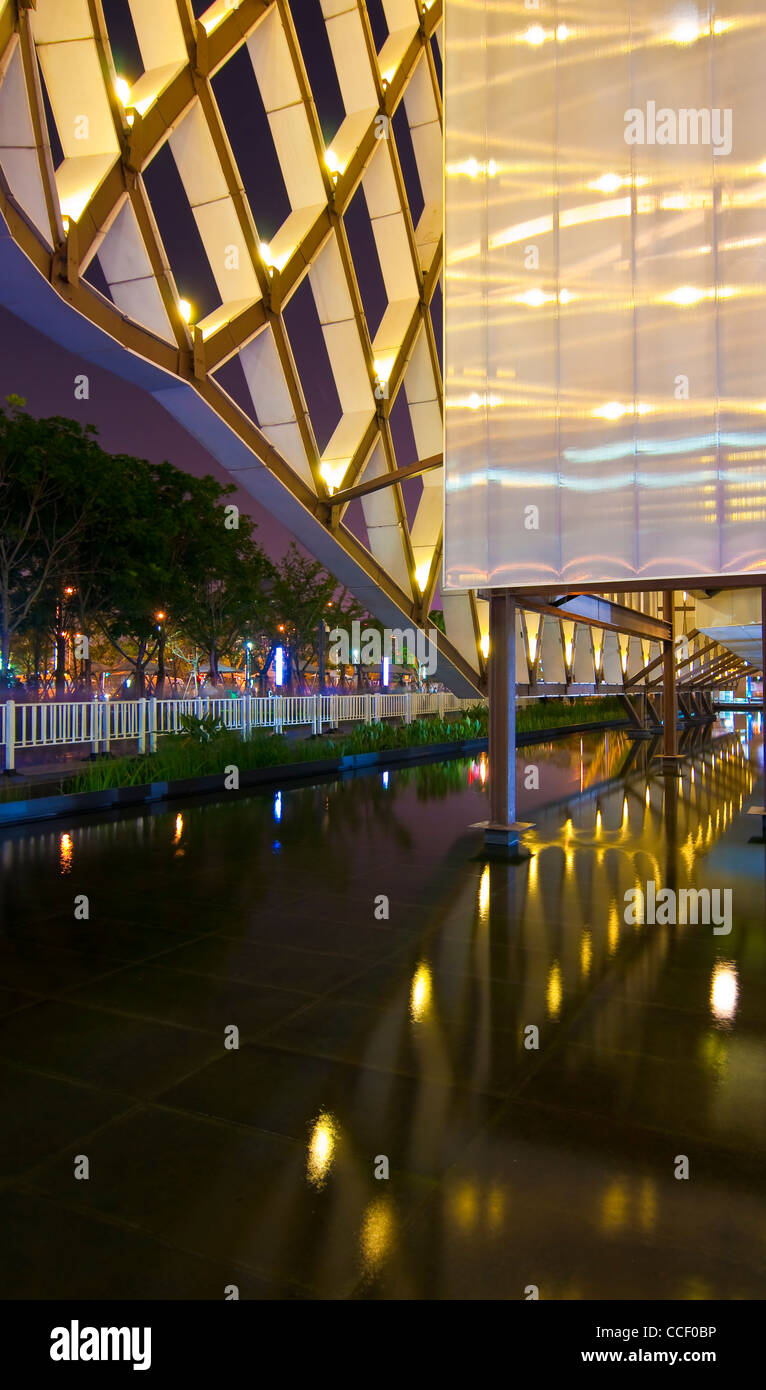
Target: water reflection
(408,1036)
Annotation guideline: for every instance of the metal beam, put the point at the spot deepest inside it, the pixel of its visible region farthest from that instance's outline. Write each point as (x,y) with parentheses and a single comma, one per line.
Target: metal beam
(410,470)
(599,612)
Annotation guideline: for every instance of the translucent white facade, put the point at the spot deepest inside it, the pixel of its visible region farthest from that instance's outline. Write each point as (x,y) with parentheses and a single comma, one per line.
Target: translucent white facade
(605,356)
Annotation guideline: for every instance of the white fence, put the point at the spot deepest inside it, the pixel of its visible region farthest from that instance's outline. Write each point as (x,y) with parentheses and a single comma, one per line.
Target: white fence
(100,723)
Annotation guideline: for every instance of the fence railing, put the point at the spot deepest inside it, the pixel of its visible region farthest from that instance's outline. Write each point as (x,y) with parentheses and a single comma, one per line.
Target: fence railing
(97,724)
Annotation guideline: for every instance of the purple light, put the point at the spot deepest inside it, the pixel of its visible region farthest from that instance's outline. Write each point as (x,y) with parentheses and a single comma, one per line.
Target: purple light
(279,665)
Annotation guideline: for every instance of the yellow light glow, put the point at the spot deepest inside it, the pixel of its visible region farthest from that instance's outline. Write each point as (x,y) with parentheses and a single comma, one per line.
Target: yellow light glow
(185,310)
(724,991)
(376,1237)
(687,31)
(322,1146)
(613,931)
(382,367)
(421,575)
(484,645)
(586,954)
(465,1206)
(179,828)
(535,299)
(122,88)
(614,410)
(534,35)
(614,1207)
(66,853)
(420,994)
(484,894)
(686,295)
(333,474)
(332,162)
(554,991)
(609,183)
(562,33)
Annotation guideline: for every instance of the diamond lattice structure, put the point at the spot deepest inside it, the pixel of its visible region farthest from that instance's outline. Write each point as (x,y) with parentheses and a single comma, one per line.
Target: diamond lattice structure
(90,162)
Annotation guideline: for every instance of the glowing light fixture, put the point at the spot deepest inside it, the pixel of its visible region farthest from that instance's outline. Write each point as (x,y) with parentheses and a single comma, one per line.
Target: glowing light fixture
(279,665)
(185,310)
(122,88)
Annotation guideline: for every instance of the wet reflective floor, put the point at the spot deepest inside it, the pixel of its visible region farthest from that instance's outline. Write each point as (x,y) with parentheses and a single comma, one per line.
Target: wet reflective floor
(454,1078)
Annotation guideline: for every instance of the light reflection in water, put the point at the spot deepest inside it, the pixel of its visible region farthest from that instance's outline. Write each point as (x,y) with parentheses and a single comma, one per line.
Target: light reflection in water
(724,991)
(614,1206)
(420,994)
(586,954)
(554,991)
(484,895)
(66,853)
(377,1233)
(322,1145)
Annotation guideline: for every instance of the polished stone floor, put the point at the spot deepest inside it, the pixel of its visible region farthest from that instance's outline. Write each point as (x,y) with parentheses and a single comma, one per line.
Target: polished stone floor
(386,982)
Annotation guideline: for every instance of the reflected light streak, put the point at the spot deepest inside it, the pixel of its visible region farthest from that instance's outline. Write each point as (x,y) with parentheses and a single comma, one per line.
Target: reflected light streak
(484,886)
(66,853)
(377,1233)
(321,1150)
(724,991)
(554,990)
(420,994)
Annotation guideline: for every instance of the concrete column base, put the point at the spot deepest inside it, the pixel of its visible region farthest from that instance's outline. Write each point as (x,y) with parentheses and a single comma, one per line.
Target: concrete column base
(505,839)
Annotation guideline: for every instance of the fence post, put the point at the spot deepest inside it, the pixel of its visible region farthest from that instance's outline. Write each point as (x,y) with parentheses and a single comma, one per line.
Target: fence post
(10,735)
(199,706)
(440,704)
(94,726)
(141,716)
(407,716)
(244,700)
(152,724)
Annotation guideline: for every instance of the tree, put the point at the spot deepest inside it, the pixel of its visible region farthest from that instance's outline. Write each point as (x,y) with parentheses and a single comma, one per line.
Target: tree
(49,473)
(226,592)
(305,594)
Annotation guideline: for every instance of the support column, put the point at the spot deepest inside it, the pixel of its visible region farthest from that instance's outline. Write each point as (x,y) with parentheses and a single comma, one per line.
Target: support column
(763,708)
(761,810)
(502,830)
(502,708)
(669,701)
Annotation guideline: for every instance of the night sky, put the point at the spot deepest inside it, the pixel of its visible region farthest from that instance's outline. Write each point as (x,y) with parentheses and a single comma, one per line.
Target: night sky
(129,421)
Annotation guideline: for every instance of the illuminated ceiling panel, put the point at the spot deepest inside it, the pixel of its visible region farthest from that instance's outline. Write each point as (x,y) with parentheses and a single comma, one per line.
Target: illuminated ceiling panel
(605,357)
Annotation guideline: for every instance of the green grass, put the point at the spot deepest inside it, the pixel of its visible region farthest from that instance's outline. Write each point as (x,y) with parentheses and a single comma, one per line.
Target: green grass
(181,757)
